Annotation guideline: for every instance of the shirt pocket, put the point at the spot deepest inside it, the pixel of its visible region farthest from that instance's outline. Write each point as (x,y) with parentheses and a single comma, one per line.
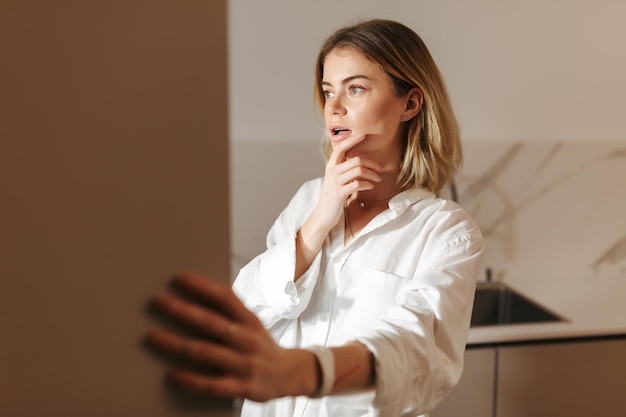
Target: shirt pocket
(392,268)
(373,286)
(403,284)
(368,297)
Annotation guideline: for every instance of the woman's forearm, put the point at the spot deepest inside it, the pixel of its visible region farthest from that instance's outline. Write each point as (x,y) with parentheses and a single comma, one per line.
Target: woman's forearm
(309,240)
(354,371)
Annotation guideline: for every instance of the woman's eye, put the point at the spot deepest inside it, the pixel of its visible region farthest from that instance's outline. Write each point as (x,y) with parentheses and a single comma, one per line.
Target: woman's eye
(355,89)
(327,94)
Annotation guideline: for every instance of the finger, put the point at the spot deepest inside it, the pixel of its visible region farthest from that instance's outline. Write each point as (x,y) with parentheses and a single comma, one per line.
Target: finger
(167,342)
(210,323)
(216,386)
(200,351)
(359,173)
(355,186)
(359,162)
(219,296)
(339,150)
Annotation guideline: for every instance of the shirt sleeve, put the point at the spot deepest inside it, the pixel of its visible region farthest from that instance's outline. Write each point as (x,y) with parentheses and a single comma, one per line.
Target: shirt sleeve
(420,343)
(266,285)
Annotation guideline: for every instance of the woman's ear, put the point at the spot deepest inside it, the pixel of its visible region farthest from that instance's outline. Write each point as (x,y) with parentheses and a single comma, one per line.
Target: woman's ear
(414,101)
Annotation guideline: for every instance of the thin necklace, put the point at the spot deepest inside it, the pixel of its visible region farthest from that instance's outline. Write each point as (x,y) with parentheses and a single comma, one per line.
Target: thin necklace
(373,203)
(346,219)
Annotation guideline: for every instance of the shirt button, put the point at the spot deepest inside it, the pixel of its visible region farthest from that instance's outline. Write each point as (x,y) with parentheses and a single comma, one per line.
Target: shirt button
(324,317)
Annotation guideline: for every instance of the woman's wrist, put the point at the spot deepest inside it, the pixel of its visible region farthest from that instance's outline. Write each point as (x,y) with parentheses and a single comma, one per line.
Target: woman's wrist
(314,232)
(302,375)
(325,362)
(309,241)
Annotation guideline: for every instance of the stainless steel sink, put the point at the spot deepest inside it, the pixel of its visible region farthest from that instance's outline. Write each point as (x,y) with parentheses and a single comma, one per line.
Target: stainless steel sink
(497,304)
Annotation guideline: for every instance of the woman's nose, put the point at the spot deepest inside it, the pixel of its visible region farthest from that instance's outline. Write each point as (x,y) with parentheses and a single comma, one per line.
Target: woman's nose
(335,106)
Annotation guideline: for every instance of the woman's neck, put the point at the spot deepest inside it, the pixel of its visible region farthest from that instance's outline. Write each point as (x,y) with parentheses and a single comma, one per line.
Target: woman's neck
(380,194)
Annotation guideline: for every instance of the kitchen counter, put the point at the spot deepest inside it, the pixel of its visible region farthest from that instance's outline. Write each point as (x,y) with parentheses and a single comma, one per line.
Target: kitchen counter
(590,308)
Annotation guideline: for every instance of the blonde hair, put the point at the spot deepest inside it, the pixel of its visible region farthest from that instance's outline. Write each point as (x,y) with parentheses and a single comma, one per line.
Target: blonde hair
(432,147)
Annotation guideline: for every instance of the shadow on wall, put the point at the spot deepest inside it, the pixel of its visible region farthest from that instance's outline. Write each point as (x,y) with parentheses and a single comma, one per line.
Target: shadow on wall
(264,177)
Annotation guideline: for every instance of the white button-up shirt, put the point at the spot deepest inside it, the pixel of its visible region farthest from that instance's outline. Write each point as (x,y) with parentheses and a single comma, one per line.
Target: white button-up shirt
(403,287)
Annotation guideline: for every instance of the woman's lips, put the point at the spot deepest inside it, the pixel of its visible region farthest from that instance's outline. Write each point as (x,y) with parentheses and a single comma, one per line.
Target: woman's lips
(339,134)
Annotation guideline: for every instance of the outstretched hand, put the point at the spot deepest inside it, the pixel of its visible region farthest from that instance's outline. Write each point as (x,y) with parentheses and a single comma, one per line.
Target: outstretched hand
(243,359)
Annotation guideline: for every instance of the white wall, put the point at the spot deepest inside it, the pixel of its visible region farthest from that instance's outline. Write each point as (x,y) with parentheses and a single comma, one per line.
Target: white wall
(517,70)
(536,70)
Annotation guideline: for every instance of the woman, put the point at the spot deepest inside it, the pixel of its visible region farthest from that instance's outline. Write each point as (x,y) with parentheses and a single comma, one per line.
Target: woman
(361,304)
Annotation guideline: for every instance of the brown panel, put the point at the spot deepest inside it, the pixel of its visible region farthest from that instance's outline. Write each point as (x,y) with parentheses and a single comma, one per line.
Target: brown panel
(113,176)
(566,379)
(473,395)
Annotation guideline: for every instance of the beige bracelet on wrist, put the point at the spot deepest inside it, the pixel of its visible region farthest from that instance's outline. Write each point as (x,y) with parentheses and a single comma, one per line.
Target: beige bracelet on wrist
(326,361)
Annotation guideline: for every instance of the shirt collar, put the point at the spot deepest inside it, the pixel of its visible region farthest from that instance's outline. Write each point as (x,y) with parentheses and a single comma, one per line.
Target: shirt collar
(408,197)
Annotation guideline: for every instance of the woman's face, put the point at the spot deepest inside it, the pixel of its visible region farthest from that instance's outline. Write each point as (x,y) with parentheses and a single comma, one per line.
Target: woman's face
(360,100)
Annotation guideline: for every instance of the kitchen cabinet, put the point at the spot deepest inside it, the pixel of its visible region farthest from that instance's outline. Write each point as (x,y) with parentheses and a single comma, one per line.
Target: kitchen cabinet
(576,379)
(473,395)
